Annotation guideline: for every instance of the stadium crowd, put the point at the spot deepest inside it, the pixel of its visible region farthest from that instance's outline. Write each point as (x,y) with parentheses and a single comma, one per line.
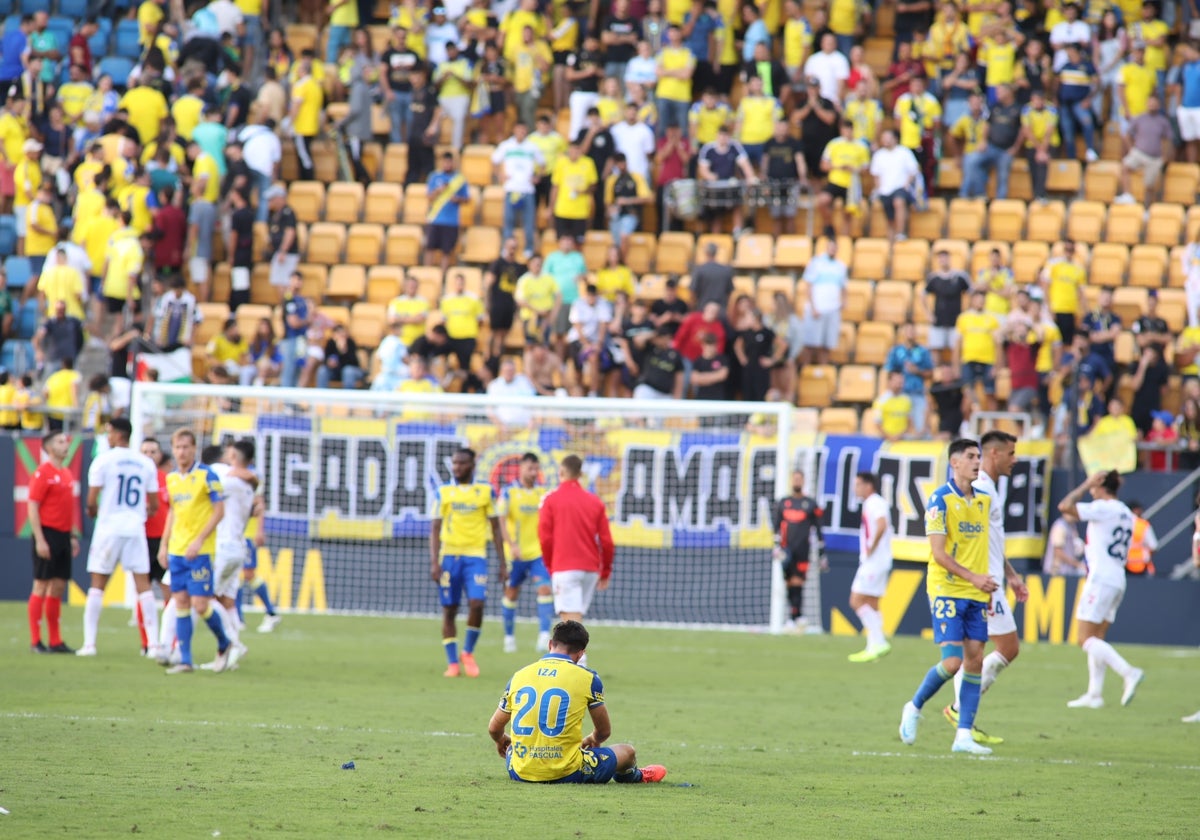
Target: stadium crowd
(471,196)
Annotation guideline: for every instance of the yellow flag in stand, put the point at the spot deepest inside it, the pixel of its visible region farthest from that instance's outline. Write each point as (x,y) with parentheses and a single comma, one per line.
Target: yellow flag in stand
(1111,446)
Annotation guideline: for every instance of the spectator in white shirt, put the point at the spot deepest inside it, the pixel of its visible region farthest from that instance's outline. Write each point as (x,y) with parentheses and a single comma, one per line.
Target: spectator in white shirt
(589,318)
(229,17)
(262,152)
(511,384)
(1071,30)
(826,276)
(896,170)
(519,160)
(642,69)
(829,67)
(635,140)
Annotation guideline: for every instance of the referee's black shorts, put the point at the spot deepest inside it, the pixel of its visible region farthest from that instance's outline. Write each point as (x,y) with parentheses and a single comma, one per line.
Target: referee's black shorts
(58,565)
(156,571)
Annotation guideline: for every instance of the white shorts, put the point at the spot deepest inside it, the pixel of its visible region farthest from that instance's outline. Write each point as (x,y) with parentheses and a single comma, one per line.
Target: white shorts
(107,550)
(198,266)
(871,579)
(942,338)
(239,279)
(1189,123)
(19,215)
(822,331)
(228,568)
(573,591)
(1000,617)
(1098,602)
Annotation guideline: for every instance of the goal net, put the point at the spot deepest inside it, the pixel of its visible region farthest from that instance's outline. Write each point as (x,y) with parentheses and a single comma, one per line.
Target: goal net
(349,480)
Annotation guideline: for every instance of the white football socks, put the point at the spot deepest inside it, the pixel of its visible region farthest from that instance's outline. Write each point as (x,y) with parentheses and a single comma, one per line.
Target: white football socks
(993,664)
(91,616)
(166,633)
(1108,655)
(149,616)
(872,622)
(229,621)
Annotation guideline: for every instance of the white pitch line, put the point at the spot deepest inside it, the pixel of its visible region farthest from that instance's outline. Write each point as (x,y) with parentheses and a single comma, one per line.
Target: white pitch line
(234,725)
(1018,760)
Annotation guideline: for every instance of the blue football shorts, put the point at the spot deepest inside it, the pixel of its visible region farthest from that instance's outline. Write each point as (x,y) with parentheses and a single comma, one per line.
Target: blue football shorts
(599,767)
(958,619)
(194,576)
(534,570)
(462,574)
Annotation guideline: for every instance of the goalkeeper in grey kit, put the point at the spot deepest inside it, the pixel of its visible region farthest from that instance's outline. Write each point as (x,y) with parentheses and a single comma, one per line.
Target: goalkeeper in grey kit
(796,520)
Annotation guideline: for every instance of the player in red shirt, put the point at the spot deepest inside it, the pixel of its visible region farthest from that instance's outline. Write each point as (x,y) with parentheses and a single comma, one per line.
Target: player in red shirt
(52,506)
(153,450)
(577,546)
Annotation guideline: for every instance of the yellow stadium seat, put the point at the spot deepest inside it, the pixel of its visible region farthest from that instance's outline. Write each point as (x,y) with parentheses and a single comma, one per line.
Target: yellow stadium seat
(382,203)
(315,278)
(403,245)
(847,336)
(1180,182)
(1129,302)
(1100,181)
(650,287)
(325,161)
(639,252)
(344,201)
(792,253)
(870,261)
(1044,222)
(261,290)
(1108,265)
(1165,225)
(1148,266)
(1064,176)
(492,210)
(754,252)
(838,421)
(368,323)
(395,163)
(301,36)
(960,252)
(364,244)
(213,317)
(262,239)
(674,254)
(249,315)
(372,155)
(981,255)
(1085,222)
(1020,182)
(1124,224)
(893,300)
(307,200)
(429,282)
(595,249)
(325,243)
(416,204)
(966,219)
(817,385)
(337,314)
(472,279)
(724,243)
(910,260)
(855,384)
(858,300)
(1028,258)
(1175,271)
(476,164)
(769,285)
(1006,219)
(480,245)
(346,283)
(383,283)
(1172,308)
(875,341)
(928,223)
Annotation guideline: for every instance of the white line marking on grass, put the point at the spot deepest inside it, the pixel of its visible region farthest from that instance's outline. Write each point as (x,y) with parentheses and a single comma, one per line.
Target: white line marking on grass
(1017,760)
(233,724)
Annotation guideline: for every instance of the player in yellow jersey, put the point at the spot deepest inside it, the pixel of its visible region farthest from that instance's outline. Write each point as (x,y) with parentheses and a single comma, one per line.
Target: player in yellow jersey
(458,539)
(519,505)
(960,591)
(546,702)
(189,541)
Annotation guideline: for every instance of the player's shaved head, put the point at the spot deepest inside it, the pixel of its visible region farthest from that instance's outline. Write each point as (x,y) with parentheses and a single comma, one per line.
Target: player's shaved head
(572,465)
(570,636)
(211,455)
(245,450)
(997,439)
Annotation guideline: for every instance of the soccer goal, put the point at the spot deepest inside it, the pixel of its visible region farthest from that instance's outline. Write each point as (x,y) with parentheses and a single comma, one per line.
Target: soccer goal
(349,478)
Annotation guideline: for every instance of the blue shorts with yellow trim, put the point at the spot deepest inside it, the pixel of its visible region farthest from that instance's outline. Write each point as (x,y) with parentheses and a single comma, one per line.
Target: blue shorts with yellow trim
(534,569)
(193,576)
(959,619)
(599,767)
(461,573)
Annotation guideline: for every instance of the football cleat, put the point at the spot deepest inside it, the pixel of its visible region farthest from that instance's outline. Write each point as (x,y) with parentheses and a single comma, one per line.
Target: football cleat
(86,650)
(39,647)
(468,664)
(236,655)
(451,670)
(981,737)
(653,773)
(61,647)
(871,654)
(222,661)
(1131,685)
(269,623)
(181,668)
(1086,701)
(909,719)
(964,744)
(510,644)
(1192,718)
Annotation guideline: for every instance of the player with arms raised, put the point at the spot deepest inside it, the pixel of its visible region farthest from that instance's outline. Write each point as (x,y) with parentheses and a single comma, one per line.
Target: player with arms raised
(1109,530)
(546,702)
(999,454)
(188,543)
(960,589)
(458,541)
(874,566)
(519,504)
(795,519)
(122,494)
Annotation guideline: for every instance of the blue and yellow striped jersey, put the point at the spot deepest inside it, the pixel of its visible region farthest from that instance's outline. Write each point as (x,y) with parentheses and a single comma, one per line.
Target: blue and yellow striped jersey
(519,506)
(193,495)
(548,701)
(964,523)
(465,510)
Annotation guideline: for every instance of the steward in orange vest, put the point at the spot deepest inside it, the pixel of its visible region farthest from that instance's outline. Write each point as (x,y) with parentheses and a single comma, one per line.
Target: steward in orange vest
(1142,546)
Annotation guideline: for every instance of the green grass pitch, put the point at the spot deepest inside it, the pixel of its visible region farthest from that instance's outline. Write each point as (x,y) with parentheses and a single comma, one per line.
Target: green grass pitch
(775,737)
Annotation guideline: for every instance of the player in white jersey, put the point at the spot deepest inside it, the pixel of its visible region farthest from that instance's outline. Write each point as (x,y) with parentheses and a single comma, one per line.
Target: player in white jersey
(122,493)
(874,566)
(231,465)
(1109,530)
(999,453)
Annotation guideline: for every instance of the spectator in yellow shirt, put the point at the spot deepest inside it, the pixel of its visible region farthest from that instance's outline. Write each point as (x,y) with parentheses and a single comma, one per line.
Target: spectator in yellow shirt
(977,350)
(61,282)
(571,199)
(1135,83)
(41,227)
(343,19)
(1039,131)
(147,109)
(409,310)
(1063,280)
(27,179)
(464,313)
(893,409)
(61,393)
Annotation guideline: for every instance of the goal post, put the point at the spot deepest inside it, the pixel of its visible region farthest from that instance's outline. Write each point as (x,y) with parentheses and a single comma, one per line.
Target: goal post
(349,478)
